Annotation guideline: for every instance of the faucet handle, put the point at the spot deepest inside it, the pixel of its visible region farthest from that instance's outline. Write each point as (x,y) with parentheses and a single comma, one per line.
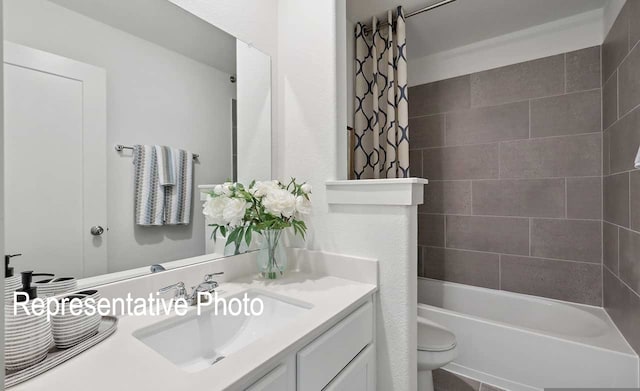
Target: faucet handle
(181,290)
(209,277)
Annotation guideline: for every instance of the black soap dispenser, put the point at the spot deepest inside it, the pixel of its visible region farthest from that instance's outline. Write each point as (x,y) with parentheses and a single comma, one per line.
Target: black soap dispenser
(11,282)
(31,291)
(8,271)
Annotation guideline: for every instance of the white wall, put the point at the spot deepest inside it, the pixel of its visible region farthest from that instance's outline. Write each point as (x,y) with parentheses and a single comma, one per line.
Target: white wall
(154,96)
(560,36)
(312,114)
(254,22)
(1,193)
(254,113)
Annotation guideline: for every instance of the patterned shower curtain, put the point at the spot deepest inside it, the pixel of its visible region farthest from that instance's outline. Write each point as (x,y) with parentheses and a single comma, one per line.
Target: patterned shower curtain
(381,123)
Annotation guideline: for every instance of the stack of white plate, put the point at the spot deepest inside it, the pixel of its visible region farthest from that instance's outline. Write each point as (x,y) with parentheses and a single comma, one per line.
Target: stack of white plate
(27,338)
(11,284)
(69,329)
(55,286)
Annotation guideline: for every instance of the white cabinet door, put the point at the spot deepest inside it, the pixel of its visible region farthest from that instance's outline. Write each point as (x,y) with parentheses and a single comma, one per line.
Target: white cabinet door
(327,355)
(275,380)
(359,375)
(281,378)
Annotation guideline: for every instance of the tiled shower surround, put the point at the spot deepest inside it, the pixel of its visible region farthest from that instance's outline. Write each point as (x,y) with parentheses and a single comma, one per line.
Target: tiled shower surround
(514,160)
(621,227)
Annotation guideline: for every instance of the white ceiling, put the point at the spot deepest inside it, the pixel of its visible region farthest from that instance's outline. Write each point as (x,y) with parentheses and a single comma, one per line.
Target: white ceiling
(467,21)
(164,24)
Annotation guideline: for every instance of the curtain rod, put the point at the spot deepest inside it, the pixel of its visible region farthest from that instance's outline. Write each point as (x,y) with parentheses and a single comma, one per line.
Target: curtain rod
(430,7)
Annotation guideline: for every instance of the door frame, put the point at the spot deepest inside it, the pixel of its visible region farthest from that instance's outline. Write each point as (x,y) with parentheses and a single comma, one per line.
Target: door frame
(94,122)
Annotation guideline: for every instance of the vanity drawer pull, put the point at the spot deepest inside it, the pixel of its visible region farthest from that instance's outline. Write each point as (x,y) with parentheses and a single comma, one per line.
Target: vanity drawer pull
(327,355)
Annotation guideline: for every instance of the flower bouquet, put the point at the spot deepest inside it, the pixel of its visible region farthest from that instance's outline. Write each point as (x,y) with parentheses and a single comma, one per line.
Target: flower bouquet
(265,208)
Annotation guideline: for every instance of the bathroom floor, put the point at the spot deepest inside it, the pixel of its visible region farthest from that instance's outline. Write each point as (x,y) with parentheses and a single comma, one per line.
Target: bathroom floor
(448,381)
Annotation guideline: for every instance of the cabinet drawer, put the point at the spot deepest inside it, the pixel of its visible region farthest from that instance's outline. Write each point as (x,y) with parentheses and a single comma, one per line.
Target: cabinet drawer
(324,358)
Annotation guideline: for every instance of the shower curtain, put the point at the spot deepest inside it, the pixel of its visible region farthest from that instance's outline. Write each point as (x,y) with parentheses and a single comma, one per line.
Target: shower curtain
(381,128)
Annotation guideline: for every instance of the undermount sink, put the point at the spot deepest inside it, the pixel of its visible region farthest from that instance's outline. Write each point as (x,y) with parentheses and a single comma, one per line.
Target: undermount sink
(194,342)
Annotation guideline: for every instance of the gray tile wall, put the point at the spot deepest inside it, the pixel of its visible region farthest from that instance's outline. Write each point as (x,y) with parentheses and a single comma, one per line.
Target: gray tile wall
(514,159)
(621,182)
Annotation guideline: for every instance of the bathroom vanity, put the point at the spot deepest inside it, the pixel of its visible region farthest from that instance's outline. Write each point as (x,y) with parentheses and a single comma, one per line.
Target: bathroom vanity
(316,332)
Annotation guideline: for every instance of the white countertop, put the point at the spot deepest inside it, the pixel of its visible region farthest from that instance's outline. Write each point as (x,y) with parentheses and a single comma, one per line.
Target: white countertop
(122,362)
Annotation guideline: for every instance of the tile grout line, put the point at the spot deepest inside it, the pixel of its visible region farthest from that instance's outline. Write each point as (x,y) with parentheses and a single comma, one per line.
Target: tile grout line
(444,227)
(530,229)
(628,52)
(444,128)
(565,73)
(617,252)
(624,283)
(512,141)
(631,110)
(529,118)
(602,154)
(566,202)
(500,271)
(622,226)
(621,172)
(513,217)
(499,159)
(471,187)
(518,179)
(533,257)
(504,103)
(617,73)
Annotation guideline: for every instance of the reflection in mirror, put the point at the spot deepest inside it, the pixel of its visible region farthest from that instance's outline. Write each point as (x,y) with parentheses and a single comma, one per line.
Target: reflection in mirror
(115,114)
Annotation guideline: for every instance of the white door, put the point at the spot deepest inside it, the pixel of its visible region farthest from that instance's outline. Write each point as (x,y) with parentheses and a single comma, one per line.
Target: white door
(55,163)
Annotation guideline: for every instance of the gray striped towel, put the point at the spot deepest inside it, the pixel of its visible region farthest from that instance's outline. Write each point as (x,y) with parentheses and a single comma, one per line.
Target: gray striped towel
(149,194)
(166,165)
(178,197)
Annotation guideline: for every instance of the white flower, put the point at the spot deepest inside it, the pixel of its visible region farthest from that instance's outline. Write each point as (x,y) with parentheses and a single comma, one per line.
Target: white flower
(234,211)
(303,205)
(214,209)
(280,202)
(217,190)
(306,188)
(226,188)
(261,189)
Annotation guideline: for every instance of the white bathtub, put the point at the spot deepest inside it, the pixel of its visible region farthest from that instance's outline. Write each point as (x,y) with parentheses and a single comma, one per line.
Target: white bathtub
(521,342)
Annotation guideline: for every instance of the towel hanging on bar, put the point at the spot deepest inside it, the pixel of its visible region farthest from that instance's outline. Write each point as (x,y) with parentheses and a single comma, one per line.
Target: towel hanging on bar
(149,193)
(158,200)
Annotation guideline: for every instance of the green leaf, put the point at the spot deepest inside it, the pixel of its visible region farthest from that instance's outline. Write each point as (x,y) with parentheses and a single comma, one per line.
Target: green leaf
(247,236)
(223,230)
(232,237)
(238,239)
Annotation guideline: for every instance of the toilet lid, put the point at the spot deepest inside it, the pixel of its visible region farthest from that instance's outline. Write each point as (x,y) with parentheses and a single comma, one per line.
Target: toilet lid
(434,338)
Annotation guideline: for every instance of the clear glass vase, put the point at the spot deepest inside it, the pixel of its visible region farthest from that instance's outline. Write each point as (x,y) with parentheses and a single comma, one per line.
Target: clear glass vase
(272,258)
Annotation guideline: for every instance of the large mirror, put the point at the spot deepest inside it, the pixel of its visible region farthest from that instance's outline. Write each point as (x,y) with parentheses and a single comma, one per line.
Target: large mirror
(118,114)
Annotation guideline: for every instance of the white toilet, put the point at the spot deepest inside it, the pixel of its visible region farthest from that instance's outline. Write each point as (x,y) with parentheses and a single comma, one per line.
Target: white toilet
(436,348)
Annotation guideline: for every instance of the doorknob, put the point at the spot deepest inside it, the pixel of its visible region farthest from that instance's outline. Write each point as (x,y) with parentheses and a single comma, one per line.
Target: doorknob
(97,230)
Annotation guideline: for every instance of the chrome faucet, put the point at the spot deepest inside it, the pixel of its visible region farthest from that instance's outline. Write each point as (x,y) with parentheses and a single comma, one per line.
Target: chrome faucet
(208,286)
